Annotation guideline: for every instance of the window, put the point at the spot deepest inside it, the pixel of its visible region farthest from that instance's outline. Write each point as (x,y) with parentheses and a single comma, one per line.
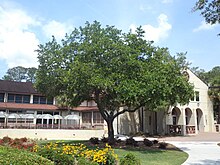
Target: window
(11,98)
(86,117)
(197,95)
(97,117)
(18,98)
(42,100)
(36,99)
(50,101)
(2,97)
(193,97)
(26,99)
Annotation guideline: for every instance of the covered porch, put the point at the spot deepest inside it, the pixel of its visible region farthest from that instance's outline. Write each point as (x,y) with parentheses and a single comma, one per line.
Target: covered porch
(185,121)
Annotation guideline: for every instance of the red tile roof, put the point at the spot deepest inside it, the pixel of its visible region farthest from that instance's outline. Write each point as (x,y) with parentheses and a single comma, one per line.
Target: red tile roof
(43,107)
(28,106)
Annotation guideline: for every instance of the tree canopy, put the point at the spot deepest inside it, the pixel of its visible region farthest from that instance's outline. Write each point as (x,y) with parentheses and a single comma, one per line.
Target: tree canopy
(210,10)
(20,73)
(112,68)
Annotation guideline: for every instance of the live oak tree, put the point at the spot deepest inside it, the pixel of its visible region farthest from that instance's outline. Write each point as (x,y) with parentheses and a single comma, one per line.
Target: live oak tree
(20,73)
(210,10)
(112,68)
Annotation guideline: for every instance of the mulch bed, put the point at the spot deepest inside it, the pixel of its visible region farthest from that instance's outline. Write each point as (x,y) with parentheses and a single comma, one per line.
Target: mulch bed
(140,146)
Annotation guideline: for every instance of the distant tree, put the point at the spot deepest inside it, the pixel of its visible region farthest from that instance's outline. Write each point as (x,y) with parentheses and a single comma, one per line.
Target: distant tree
(20,73)
(112,68)
(30,74)
(210,10)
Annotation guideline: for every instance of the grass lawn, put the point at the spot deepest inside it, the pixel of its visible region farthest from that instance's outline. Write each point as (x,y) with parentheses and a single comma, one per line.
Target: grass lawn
(156,157)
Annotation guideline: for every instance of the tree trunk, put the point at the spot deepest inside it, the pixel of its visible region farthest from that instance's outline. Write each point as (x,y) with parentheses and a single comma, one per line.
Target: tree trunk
(110,131)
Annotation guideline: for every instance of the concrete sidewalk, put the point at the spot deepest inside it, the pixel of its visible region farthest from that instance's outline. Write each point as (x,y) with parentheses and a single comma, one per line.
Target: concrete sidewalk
(200,153)
(202,148)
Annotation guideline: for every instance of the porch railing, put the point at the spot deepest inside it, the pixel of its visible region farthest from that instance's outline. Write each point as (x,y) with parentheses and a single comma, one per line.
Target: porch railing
(175,129)
(190,129)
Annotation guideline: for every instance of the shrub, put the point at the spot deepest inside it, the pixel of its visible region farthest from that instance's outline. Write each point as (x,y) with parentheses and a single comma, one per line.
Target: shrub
(155,141)
(14,156)
(131,141)
(84,161)
(94,140)
(148,142)
(163,145)
(129,159)
(21,143)
(104,139)
(67,153)
(6,140)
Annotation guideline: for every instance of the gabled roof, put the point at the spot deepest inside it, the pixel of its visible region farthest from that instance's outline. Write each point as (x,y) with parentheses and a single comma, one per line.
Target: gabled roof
(17,87)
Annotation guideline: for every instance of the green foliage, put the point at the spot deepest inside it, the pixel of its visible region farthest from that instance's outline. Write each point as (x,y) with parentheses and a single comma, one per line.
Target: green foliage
(148,143)
(209,10)
(163,145)
(55,155)
(20,73)
(9,156)
(129,159)
(84,161)
(112,68)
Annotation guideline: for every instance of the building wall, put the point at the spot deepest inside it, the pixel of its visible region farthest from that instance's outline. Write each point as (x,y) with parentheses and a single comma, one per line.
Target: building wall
(51,134)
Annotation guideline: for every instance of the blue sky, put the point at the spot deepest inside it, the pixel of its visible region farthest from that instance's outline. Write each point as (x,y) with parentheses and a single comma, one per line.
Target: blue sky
(24,24)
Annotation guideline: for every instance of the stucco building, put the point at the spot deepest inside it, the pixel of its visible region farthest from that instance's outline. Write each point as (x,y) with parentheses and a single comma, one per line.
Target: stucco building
(195,117)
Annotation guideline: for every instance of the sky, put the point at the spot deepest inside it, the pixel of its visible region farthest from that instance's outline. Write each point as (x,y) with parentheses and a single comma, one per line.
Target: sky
(24,24)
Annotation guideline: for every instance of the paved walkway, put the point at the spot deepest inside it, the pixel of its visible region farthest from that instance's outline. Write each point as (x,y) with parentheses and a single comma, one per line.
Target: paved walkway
(202,148)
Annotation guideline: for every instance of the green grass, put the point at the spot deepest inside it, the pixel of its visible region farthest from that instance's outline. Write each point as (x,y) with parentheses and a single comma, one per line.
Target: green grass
(156,157)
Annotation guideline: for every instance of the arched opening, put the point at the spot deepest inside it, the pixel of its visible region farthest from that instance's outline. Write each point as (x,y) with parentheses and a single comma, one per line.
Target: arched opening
(188,115)
(199,120)
(175,115)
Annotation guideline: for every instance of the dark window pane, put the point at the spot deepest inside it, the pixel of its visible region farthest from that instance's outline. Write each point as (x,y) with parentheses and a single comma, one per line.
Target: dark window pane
(42,100)
(86,117)
(11,98)
(36,100)
(18,98)
(2,97)
(50,101)
(26,99)
(197,96)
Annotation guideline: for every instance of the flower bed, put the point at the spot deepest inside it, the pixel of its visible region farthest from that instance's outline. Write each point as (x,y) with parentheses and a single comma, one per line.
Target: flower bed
(69,153)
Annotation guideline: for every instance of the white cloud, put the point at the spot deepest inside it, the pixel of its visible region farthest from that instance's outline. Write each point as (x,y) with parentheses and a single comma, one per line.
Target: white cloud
(167,1)
(204,26)
(17,42)
(155,33)
(57,29)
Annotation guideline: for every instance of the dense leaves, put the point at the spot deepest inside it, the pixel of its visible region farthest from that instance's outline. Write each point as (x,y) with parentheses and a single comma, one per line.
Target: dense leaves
(112,68)
(20,73)
(210,10)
